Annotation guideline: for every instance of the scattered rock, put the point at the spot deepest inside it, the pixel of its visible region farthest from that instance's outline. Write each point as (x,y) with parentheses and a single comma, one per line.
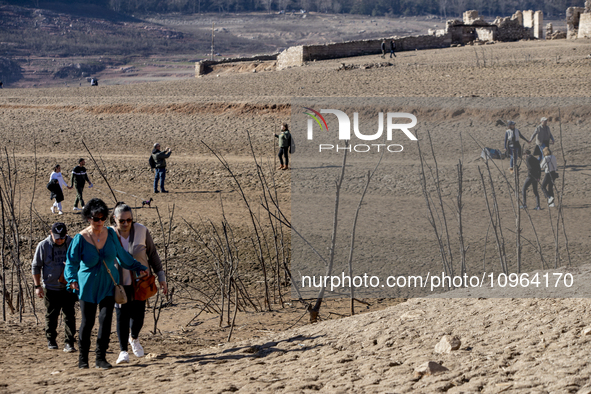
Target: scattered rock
(412,314)
(428,369)
(366,66)
(448,344)
(586,331)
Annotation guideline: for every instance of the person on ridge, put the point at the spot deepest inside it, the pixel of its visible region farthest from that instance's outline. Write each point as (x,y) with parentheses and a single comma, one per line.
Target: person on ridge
(160,166)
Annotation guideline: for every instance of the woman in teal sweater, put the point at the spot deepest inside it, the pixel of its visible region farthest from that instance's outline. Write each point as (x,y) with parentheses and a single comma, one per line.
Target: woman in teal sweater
(90,253)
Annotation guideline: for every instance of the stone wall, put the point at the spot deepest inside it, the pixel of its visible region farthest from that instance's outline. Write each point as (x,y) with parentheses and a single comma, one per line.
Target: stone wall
(487,33)
(511,30)
(204,66)
(573,15)
(538,25)
(297,56)
(292,56)
(528,18)
(585,26)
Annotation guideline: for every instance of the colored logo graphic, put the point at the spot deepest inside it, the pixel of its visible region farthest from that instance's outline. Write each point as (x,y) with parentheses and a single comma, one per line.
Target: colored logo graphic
(315,115)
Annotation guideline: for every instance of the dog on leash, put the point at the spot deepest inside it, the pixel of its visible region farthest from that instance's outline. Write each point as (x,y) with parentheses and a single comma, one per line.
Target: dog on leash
(147,202)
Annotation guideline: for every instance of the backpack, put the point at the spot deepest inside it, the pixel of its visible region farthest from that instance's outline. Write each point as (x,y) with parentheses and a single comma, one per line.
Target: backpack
(152,162)
(291,144)
(488,153)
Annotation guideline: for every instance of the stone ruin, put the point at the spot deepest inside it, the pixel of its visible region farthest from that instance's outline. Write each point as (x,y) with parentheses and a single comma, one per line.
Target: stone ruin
(578,21)
(523,25)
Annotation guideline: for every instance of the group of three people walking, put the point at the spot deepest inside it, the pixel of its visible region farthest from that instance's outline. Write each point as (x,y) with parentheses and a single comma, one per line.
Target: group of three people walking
(546,161)
(85,268)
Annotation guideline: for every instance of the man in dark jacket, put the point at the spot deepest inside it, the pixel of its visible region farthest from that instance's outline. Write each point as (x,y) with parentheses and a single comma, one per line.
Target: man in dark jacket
(78,179)
(533,177)
(392,48)
(284,146)
(49,260)
(383,46)
(160,166)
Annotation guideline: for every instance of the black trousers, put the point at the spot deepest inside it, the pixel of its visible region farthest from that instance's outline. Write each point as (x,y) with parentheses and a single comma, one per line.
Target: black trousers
(88,312)
(534,183)
(130,315)
(57,301)
(548,185)
(79,199)
(284,152)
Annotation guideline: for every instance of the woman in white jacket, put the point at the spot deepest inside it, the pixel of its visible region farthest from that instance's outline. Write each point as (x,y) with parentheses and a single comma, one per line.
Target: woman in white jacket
(57,174)
(549,165)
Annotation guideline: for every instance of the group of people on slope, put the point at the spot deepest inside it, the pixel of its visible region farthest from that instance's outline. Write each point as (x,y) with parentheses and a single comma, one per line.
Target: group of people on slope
(79,178)
(56,185)
(392,49)
(546,161)
(85,268)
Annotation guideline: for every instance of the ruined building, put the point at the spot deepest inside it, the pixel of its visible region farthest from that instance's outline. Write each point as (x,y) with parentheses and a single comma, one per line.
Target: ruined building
(578,21)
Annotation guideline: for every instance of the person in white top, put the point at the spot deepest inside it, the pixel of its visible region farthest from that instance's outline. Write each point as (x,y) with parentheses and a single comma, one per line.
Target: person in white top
(57,175)
(550,166)
(136,239)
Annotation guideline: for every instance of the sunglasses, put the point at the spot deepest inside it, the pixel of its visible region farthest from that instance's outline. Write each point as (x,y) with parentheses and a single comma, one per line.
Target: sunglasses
(97,219)
(123,221)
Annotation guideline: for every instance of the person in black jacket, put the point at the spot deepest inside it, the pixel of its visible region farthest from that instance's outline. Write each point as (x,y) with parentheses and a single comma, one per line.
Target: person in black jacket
(160,166)
(383,47)
(392,48)
(78,180)
(533,177)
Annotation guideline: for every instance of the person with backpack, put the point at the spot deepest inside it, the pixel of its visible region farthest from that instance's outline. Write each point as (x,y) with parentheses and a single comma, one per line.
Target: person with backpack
(533,178)
(78,180)
(158,163)
(284,146)
(512,144)
(48,276)
(392,48)
(55,186)
(550,167)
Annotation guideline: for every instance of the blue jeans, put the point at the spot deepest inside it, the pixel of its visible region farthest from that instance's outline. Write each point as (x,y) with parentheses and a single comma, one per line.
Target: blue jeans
(160,174)
(515,152)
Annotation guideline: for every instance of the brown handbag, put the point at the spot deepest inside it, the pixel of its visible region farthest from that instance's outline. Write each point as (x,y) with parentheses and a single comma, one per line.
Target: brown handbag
(119,291)
(144,288)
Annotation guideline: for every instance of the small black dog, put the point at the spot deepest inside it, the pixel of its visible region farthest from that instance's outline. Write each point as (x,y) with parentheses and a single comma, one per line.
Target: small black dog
(148,202)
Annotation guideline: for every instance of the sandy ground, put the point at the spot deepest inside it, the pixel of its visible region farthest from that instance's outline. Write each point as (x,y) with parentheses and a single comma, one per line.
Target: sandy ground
(502,349)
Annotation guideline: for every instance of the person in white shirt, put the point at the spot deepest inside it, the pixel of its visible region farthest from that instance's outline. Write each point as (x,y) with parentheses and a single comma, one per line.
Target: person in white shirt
(550,166)
(57,175)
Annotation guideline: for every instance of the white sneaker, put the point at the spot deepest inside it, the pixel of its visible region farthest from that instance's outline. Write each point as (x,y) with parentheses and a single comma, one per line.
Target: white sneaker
(76,209)
(52,209)
(551,205)
(550,200)
(138,350)
(60,213)
(123,358)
